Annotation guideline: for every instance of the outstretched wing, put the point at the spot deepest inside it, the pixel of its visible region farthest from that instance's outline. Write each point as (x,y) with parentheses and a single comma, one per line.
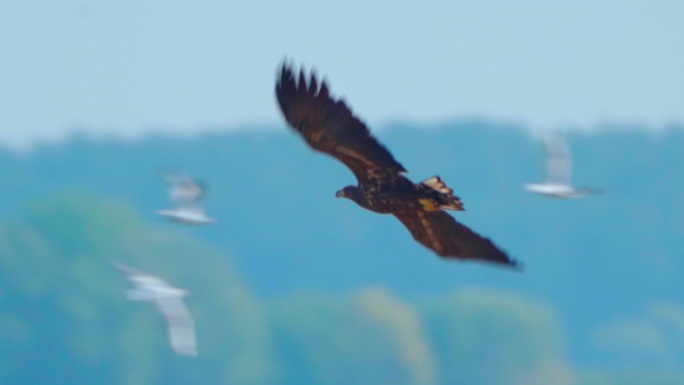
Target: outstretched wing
(329,126)
(184,189)
(143,282)
(128,271)
(134,275)
(558,161)
(181,326)
(440,232)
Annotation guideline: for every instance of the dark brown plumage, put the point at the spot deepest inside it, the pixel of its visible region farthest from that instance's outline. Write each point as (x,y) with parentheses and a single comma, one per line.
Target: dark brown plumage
(329,126)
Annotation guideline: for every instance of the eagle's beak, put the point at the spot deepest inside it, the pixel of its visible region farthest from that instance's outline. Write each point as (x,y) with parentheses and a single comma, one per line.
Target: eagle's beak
(339,194)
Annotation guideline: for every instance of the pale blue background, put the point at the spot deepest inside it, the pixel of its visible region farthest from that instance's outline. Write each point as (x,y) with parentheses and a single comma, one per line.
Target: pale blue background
(128,67)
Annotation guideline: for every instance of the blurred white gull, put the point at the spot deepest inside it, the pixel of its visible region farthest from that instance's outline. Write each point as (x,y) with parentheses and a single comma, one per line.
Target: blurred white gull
(185,193)
(169,301)
(558,172)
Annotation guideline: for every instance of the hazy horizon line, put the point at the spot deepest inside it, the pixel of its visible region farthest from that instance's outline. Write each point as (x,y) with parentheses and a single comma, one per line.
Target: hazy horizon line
(83,132)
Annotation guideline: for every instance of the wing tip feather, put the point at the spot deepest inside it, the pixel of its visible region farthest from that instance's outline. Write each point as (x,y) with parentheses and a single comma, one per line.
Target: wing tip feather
(514,264)
(292,82)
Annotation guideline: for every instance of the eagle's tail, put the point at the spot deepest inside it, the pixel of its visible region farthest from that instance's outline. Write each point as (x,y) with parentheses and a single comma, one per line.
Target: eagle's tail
(437,195)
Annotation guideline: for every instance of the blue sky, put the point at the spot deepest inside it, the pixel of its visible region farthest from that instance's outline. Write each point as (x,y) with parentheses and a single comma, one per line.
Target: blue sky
(129,67)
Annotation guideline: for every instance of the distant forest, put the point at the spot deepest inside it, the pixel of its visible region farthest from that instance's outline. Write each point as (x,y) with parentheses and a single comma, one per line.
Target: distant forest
(295,287)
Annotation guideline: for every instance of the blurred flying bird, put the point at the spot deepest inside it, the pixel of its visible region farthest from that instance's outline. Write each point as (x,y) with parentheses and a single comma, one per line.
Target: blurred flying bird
(558,182)
(329,126)
(169,301)
(185,193)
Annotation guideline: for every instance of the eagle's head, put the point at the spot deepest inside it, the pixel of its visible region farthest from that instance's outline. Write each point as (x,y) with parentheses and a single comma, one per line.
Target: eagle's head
(351,192)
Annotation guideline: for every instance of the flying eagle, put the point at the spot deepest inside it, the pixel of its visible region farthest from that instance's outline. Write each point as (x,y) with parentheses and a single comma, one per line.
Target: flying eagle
(329,126)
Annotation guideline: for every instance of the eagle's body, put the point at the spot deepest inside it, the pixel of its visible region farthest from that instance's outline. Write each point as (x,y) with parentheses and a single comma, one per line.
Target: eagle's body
(400,195)
(329,126)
